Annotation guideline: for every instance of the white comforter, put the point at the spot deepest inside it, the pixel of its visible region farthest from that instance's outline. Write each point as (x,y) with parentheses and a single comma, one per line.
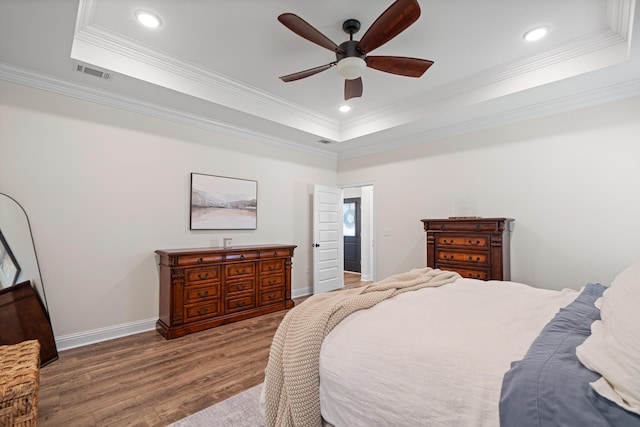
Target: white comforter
(433,357)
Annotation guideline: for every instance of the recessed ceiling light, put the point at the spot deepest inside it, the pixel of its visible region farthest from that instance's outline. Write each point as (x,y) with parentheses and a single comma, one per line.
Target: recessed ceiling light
(344,108)
(535,33)
(148,19)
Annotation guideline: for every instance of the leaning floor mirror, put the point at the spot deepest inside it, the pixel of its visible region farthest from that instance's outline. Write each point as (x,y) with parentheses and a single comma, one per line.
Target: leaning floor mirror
(24,312)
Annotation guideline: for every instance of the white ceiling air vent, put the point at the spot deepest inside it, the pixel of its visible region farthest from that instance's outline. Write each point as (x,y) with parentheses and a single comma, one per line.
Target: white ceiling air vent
(104,75)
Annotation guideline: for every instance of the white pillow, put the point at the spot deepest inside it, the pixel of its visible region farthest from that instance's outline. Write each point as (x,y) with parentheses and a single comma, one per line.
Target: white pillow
(613,349)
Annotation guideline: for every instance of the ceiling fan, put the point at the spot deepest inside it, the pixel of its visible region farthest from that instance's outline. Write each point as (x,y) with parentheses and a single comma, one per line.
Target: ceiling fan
(352,56)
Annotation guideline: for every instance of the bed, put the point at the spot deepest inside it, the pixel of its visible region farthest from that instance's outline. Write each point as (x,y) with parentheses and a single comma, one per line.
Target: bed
(460,352)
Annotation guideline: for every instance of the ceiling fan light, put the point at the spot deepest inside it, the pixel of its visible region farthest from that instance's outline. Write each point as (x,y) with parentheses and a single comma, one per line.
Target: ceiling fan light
(351,68)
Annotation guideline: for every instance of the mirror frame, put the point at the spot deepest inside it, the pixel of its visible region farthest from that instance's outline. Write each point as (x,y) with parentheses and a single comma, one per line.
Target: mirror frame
(37,282)
(24,313)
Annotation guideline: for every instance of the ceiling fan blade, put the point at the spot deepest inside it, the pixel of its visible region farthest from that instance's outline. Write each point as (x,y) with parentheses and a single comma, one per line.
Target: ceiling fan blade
(306,73)
(305,30)
(401,65)
(397,18)
(352,88)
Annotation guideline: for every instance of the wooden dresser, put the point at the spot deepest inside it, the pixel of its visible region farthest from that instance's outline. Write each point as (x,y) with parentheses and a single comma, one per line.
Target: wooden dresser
(203,288)
(476,248)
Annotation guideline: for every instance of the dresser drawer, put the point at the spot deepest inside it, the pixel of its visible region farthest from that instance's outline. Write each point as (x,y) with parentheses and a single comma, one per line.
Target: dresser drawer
(271,281)
(194,294)
(193,313)
(490,225)
(468,273)
(240,303)
(464,257)
(271,266)
(272,296)
(242,256)
(240,286)
(240,269)
(201,274)
(186,260)
(273,253)
(481,241)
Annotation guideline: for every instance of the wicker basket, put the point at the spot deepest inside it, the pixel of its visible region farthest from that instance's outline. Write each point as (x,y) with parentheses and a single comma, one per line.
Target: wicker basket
(19,383)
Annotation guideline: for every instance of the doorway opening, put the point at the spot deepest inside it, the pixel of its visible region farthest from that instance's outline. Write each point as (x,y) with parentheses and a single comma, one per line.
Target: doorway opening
(358,233)
(351,225)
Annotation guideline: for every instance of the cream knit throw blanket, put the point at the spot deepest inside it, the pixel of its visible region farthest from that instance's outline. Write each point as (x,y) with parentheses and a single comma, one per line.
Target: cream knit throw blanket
(292,382)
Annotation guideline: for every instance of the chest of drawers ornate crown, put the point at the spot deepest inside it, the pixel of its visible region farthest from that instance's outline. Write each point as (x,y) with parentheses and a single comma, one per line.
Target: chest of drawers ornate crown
(476,248)
(208,287)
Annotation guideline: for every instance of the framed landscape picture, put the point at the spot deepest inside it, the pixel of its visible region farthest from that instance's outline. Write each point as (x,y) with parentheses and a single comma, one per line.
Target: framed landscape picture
(223,203)
(9,267)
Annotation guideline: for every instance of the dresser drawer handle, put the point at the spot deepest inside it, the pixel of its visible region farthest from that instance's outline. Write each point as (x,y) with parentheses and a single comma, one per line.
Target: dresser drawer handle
(450,242)
(201,312)
(477,242)
(272,297)
(474,276)
(275,253)
(450,257)
(203,294)
(240,304)
(200,260)
(474,260)
(273,282)
(200,276)
(241,256)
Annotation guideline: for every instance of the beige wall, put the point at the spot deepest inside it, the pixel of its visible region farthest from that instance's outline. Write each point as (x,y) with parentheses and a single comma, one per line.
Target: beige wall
(571,181)
(104,188)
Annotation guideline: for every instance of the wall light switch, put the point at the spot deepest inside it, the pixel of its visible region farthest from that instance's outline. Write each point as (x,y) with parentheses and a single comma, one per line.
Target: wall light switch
(386,232)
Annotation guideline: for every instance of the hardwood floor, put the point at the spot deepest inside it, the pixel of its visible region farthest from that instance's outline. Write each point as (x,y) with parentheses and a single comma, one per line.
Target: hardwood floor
(144,380)
(352,280)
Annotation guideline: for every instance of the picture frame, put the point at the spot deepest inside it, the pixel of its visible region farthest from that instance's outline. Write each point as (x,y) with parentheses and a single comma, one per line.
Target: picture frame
(223,203)
(9,267)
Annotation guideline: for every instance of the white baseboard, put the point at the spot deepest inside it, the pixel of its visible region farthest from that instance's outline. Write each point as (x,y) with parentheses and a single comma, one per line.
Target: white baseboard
(296,293)
(80,339)
(67,342)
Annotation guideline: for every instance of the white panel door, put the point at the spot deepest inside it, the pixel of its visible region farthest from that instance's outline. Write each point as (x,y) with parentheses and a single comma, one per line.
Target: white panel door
(328,267)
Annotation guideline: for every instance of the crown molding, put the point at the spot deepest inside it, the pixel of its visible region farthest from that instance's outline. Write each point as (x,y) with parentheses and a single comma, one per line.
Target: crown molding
(90,38)
(619,20)
(585,99)
(52,84)
(588,44)
(93,43)
(562,104)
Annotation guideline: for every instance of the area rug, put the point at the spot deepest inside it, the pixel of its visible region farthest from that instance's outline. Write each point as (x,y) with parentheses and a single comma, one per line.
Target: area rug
(241,410)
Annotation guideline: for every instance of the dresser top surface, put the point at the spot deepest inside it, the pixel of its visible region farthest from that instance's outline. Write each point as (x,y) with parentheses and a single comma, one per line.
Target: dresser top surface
(188,251)
(467,224)
(467,219)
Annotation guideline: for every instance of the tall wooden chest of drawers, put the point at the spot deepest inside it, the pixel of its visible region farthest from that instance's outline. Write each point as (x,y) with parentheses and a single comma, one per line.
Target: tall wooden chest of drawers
(204,288)
(476,248)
